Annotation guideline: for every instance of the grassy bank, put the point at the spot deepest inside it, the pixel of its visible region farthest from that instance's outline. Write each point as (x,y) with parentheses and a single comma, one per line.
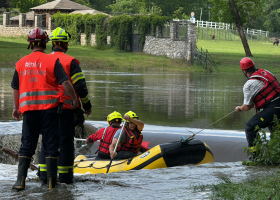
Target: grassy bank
(12,49)
(226,54)
(264,186)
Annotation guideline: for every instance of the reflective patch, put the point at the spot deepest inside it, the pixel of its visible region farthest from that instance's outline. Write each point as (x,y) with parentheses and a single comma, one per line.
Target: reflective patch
(85,99)
(37,102)
(37,93)
(262,119)
(43,167)
(77,77)
(64,169)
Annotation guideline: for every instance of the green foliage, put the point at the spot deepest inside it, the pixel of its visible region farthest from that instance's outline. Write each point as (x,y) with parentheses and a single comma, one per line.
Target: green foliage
(125,6)
(179,14)
(25,5)
(76,24)
(121,28)
(222,10)
(267,150)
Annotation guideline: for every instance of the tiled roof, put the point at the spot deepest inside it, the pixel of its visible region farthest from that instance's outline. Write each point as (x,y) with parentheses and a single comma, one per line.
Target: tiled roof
(61,5)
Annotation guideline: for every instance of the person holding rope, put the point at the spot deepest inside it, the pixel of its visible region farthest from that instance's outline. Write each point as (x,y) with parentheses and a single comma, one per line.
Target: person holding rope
(105,135)
(60,39)
(131,138)
(261,92)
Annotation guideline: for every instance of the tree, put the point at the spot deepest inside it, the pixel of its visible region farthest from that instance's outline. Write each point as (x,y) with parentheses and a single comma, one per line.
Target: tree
(238,12)
(25,5)
(5,4)
(272,19)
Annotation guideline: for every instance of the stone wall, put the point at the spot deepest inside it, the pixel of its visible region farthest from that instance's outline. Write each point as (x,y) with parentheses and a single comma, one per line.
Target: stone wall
(21,29)
(172,47)
(165,46)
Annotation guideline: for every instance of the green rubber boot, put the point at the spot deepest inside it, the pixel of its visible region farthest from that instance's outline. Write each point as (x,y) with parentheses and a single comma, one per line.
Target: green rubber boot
(51,172)
(23,165)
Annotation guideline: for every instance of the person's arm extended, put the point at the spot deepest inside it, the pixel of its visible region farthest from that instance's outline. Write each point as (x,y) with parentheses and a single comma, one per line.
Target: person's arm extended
(16,114)
(243,108)
(112,147)
(70,91)
(139,123)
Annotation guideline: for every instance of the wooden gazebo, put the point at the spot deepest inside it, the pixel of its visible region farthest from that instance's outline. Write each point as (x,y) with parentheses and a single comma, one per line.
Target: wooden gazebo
(63,6)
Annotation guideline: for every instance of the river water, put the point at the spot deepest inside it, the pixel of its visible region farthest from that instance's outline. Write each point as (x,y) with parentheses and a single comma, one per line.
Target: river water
(168,103)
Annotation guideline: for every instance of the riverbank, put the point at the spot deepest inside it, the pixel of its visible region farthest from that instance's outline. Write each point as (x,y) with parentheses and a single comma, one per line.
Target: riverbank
(226,54)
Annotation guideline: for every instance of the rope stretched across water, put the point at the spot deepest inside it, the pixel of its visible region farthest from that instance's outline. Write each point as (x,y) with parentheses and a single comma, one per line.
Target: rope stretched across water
(194,134)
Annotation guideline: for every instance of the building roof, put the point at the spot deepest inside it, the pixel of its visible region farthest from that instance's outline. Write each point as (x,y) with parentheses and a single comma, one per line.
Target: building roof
(29,16)
(92,12)
(61,5)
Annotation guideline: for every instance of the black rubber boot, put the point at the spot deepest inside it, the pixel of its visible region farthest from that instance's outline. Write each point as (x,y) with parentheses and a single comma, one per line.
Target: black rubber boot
(23,165)
(51,172)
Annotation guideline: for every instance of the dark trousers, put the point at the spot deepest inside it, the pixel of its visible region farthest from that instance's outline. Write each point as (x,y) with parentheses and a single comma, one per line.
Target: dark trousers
(262,119)
(67,149)
(36,122)
(124,155)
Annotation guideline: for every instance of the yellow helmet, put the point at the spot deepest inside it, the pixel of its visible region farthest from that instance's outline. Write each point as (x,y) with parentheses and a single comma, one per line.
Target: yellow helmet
(131,115)
(114,115)
(60,35)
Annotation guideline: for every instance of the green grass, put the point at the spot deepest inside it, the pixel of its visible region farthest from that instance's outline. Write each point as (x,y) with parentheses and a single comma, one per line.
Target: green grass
(226,54)
(12,49)
(264,186)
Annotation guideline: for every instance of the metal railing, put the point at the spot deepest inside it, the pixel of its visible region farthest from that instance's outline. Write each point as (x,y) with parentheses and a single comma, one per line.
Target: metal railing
(203,58)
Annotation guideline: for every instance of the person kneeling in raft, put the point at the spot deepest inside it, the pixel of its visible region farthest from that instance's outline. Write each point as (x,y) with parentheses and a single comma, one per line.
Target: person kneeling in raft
(105,135)
(131,138)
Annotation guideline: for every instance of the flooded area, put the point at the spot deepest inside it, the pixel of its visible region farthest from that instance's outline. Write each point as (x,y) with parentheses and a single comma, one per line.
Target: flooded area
(171,105)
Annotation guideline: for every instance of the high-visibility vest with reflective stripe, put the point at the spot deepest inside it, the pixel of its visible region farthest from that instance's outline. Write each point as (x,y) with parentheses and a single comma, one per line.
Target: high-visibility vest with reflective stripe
(38,87)
(66,61)
(64,169)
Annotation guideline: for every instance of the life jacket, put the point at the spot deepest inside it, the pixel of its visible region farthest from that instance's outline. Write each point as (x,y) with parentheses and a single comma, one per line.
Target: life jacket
(38,87)
(269,91)
(132,142)
(106,140)
(66,61)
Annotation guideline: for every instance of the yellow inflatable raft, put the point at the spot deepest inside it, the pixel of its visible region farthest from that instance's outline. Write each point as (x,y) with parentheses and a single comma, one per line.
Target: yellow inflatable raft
(161,156)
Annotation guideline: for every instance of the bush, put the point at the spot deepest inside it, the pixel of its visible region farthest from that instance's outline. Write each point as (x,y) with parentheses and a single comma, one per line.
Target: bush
(267,150)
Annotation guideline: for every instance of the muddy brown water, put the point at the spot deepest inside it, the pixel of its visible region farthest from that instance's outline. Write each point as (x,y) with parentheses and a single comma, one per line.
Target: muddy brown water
(168,103)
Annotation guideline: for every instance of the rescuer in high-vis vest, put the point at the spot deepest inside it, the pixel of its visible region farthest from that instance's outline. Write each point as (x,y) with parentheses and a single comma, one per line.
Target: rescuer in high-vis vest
(131,139)
(261,92)
(105,135)
(60,39)
(37,95)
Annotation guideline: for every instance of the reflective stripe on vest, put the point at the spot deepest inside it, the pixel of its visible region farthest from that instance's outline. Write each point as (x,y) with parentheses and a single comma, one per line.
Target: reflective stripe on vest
(270,91)
(43,167)
(64,169)
(77,76)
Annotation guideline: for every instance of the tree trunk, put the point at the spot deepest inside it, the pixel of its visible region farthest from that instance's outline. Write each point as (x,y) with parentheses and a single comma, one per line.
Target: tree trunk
(240,29)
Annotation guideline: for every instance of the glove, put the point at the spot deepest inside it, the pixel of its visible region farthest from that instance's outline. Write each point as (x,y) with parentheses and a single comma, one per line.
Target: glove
(89,140)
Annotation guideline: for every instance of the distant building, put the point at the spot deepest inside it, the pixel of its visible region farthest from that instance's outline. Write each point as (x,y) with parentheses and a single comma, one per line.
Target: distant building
(63,6)
(29,19)
(92,12)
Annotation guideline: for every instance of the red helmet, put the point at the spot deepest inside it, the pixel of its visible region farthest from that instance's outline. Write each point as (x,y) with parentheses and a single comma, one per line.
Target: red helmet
(38,35)
(246,63)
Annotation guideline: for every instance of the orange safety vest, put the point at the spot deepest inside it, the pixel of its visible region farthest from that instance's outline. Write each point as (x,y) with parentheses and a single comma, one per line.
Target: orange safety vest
(132,142)
(65,61)
(38,87)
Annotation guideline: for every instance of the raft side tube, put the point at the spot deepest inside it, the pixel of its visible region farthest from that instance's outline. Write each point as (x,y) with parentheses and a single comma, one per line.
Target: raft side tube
(180,153)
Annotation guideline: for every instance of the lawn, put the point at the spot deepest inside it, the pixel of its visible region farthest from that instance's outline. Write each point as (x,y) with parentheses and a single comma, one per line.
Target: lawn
(226,54)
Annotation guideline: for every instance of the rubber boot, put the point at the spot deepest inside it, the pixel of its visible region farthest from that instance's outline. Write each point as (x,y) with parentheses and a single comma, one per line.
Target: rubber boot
(51,172)
(23,165)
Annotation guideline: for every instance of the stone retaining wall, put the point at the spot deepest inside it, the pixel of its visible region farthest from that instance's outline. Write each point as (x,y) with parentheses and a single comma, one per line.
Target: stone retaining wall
(166,47)
(172,47)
